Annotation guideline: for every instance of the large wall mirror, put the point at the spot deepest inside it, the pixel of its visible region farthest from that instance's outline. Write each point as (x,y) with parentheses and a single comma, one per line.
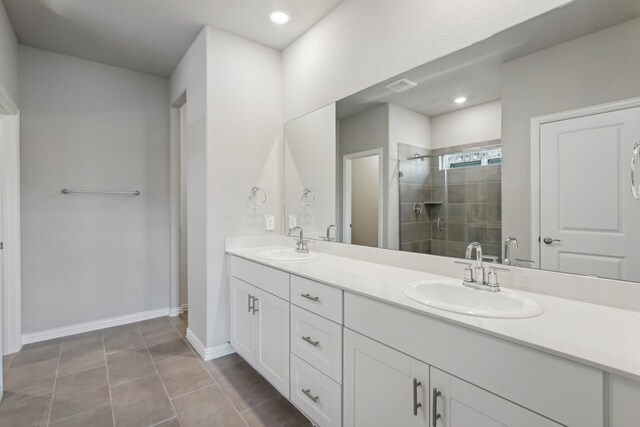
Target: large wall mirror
(523,142)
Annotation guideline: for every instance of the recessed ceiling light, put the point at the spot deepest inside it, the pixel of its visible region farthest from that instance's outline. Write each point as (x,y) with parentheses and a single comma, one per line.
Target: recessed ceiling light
(460,100)
(280,17)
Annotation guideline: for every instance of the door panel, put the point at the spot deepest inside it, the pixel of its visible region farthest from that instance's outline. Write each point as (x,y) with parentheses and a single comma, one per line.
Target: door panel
(462,404)
(272,340)
(378,385)
(585,199)
(242,323)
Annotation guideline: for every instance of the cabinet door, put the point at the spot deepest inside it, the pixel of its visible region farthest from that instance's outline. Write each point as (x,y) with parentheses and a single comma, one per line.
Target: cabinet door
(272,340)
(382,387)
(461,404)
(242,320)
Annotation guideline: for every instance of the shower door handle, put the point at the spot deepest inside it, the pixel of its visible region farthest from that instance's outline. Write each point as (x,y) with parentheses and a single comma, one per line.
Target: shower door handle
(635,191)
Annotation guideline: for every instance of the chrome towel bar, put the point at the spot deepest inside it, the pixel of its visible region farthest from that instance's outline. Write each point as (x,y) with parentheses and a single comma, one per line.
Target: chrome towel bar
(124,193)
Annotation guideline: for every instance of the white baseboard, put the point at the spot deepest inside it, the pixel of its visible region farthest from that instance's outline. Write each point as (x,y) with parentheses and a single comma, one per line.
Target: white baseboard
(175,311)
(93,325)
(208,353)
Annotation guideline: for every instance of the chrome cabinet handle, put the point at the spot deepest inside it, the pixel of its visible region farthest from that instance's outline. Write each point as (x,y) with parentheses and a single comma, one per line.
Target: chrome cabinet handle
(249,299)
(311,396)
(434,407)
(307,296)
(310,341)
(416,404)
(634,189)
(253,308)
(549,240)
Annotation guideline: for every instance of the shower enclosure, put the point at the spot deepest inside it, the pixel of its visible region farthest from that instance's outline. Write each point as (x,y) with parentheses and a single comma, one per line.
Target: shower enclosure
(450,198)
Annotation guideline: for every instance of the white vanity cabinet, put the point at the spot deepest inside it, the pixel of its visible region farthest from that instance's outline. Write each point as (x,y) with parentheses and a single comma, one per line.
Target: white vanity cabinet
(259,327)
(382,386)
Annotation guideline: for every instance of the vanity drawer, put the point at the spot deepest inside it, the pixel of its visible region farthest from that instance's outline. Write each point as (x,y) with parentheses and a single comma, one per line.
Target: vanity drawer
(317,297)
(317,395)
(317,341)
(269,279)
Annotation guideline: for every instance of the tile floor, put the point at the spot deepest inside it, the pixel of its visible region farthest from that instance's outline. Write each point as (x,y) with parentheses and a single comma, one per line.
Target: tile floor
(136,375)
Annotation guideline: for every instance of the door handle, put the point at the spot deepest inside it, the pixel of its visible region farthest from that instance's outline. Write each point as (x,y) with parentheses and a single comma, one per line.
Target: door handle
(435,416)
(310,341)
(416,404)
(635,191)
(307,393)
(549,240)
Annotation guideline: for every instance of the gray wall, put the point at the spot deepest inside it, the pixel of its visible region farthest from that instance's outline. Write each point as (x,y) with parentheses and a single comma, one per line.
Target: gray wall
(8,56)
(90,126)
(595,69)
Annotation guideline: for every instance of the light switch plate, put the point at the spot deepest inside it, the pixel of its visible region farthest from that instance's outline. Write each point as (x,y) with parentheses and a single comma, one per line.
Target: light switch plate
(293,221)
(270,222)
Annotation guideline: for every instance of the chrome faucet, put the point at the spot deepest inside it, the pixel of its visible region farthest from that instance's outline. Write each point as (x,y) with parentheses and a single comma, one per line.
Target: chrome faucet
(302,245)
(479,270)
(329,238)
(509,242)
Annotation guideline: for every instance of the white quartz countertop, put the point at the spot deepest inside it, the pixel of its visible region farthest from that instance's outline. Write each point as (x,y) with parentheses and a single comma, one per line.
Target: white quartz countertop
(599,336)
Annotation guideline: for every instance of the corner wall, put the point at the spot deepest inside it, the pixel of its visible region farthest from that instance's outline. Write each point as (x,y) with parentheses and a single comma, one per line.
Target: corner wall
(9,56)
(234,136)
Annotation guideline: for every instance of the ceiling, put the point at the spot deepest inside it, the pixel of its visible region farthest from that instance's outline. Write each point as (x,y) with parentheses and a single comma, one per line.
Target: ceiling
(476,71)
(151,36)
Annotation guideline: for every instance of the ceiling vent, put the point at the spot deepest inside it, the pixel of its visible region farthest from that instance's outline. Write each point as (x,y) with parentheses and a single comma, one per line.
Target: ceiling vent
(401,85)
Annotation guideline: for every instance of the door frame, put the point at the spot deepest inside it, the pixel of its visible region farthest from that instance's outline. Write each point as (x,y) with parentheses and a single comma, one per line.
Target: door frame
(536,123)
(347,160)
(11,290)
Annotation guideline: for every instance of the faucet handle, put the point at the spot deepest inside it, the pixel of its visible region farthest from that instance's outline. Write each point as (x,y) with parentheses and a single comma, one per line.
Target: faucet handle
(492,277)
(468,271)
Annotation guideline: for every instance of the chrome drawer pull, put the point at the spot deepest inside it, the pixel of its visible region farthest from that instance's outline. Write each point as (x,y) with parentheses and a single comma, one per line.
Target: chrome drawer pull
(307,296)
(311,396)
(253,307)
(310,341)
(416,404)
(434,407)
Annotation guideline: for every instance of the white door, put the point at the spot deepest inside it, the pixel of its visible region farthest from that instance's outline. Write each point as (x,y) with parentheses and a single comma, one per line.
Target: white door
(242,319)
(272,339)
(460,404)
(382,387)
(588,217)
(2,142)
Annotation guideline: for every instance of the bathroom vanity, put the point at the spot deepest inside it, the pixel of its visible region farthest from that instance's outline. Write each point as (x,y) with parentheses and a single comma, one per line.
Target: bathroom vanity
(339,338)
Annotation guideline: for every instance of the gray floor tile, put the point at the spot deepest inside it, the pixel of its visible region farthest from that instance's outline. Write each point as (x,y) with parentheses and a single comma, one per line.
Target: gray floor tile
(214,366)
(173,422)
(80,392)
(179,324)
(31,413)
(122,338)
(207,407)
(141,403)
(183,374)
(99,417)
(245,387)
(93,337)
(165,345)
(153,326)
(81,357)
(28,381)
(6,362)
(275,413)
(37,352)
(129,365)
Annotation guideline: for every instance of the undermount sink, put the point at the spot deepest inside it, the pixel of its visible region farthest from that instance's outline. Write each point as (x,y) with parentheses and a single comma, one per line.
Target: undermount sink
(455,297)
(285,254)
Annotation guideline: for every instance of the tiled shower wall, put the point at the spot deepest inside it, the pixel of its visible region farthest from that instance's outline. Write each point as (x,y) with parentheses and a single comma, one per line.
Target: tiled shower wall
(471,207)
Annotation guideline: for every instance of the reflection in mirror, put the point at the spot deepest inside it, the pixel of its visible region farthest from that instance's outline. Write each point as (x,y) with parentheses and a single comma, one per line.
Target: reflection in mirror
(310,173)
(522,142)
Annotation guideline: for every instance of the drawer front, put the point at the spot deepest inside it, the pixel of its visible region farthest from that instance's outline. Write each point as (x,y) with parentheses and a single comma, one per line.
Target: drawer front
(317,297)
(269,279)
(317,341)
(317,395)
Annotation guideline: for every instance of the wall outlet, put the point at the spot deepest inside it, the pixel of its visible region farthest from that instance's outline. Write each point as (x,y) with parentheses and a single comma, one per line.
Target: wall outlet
(270,222)
(293,221)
